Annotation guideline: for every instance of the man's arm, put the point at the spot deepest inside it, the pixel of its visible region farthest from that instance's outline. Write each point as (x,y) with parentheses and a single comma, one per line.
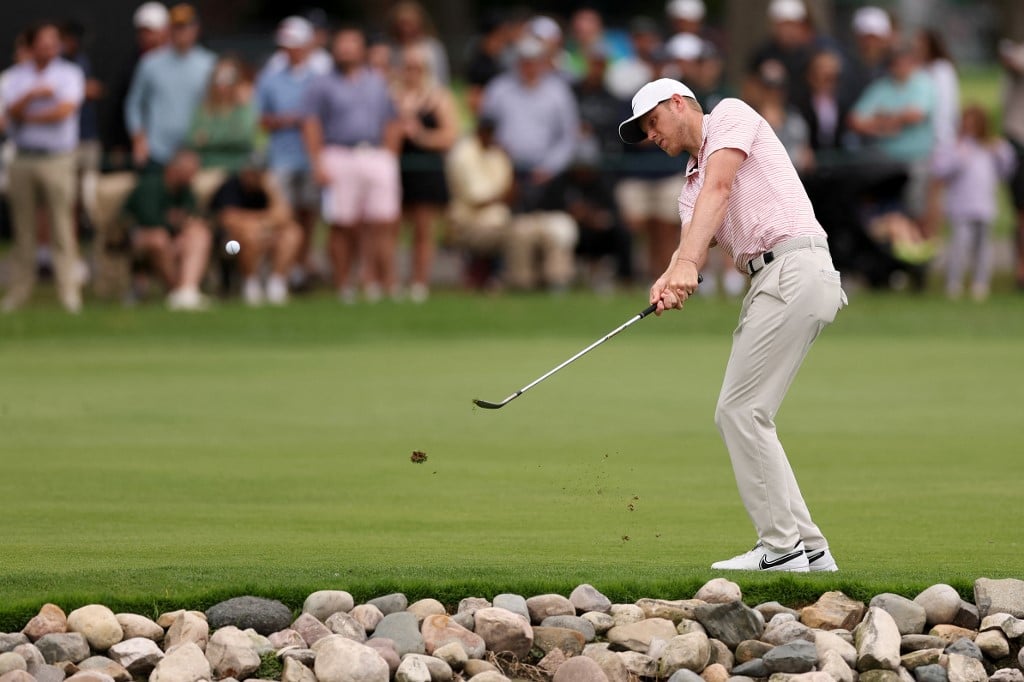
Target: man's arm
(313,137)
(133,114)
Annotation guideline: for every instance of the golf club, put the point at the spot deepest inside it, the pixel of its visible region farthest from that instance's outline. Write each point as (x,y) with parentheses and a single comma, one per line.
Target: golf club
(486,404)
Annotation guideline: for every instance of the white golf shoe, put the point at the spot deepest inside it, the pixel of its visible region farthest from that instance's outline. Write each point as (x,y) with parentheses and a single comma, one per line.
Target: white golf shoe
(763,559)
(821,560)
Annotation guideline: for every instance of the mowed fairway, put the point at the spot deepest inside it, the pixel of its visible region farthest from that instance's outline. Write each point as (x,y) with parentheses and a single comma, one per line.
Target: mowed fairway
(153,459)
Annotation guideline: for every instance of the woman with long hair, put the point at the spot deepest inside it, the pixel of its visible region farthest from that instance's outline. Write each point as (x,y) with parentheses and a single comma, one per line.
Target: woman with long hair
(409,25)
(935,59)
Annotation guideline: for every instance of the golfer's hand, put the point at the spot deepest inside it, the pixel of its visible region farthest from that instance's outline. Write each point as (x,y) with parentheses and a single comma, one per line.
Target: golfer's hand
(675,286)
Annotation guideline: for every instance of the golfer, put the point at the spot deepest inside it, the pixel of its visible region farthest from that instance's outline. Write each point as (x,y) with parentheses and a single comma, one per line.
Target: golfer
(743,194)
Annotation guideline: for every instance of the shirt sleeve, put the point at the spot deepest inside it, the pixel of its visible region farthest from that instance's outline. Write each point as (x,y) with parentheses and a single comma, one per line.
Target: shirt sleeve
(73,85)
(732,125)
(312,100)
(261,100)
(560,154)
(867,104)
(133,113)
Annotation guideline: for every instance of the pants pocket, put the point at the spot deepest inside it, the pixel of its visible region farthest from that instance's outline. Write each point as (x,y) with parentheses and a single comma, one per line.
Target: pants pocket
(834,299)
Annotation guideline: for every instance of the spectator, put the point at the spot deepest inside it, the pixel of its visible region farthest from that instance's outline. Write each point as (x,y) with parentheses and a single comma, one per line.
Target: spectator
(938,64)
(974,170)
(873,36)
(895,112)
(409,25)
(429,129)
(252,211)
(600,111)
(480,176)
(688,16)
(792,43)
(683,52)
(223,127)
(90,152)
(537,122)
(380,56)
(626,75)
(317,59)
(825,107)
(549,33)
(352,135)
(41,98)
(279,96)
(587,37)
(787,123)
(1011,55)
(168,232)
(166,91)
(151,20)
(485,57)
(709,84)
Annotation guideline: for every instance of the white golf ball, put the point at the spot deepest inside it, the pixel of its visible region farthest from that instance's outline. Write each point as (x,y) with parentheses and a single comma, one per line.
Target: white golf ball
(232,247)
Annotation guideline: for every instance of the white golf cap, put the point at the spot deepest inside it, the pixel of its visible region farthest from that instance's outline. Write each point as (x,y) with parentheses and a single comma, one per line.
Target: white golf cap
(646,98)
(151,15)
(787,10)
(294,33)
(688,10)
(872,21)
(545,28)
(685,46)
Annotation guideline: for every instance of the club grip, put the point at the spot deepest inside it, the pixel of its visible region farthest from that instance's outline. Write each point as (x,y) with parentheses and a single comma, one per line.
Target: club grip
(654,306)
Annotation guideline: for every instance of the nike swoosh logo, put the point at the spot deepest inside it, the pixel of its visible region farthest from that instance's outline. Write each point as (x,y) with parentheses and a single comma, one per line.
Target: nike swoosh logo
(786,558)
(811,558)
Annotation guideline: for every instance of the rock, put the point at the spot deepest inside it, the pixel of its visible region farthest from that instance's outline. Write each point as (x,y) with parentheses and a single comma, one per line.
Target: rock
(730,623)
(546,605)
(910,643)
(90,676)
(102,664)
(965,669)
(9,641)
(687,626)
(63,646)
(1007,675)
(306,656)
(465,620)
(439,670)
(916,659)
(601,622)
(784,631)
(134,625)
(341,623)
(310,629)
(475,667)
(137,655)
(17,676)
(471,605)
(580,625)
(993,644)
(489,676)
(580,669)
(941,603)
(967,616)
(295,670)
(262,615)
(1020,657)
(685,675)
(98,624)
(512,602)
(832,663)
(715,672)
(692,652)
(402,628)
(11,661)
(1012,627)
(286,638)
(368,616)
(910,616)
(798,656)
(504,631)
(412,670)
(49,621)
(719,591)
(627,614)
(31,654)
(930,673)
(752,668)
(341,660)
(878,642)
(437,631)
(965,647)
(674,611)
(552,661)
(827,640)
(999,596)
(426,607)
(951,633)
(613,667)
(390,603)
(721,655)
(772,608)
(385,648)
(569,641)
(451,653)
(639,664)
(587,598)
(47,673)
(638,636)
(880,676)
(232,654)
(750,649)
(187,627)
(802,677)
(833,611)
(325,603)
(183,663)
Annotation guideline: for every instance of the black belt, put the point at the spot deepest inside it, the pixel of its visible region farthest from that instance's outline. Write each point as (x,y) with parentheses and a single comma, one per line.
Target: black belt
(756,265)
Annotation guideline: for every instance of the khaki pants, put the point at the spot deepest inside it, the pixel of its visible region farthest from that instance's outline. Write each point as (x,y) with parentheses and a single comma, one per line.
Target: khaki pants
(553,235)
(789,302)
(43,181)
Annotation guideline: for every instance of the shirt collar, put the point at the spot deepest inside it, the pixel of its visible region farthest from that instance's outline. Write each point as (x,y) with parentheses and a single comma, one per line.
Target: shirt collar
(692,166)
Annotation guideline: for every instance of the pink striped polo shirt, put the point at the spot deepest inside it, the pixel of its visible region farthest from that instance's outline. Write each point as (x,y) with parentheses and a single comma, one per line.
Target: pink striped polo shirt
(768,204)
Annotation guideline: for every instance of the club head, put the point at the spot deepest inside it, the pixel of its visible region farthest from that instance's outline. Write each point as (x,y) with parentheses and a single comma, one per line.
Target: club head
(487,405)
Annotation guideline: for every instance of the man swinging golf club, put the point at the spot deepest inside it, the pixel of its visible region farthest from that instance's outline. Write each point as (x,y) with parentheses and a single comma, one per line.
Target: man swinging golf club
(743,194)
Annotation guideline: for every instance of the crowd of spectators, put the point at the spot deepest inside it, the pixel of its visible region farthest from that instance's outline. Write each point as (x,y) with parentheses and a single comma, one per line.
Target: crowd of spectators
(314,159)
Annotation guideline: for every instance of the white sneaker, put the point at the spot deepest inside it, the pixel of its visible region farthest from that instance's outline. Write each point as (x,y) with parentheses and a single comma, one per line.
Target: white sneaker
(763,559)
(277,290)
(252,291)
(419,293)
(373,293)
(821,560)
(187,299)
(347,295)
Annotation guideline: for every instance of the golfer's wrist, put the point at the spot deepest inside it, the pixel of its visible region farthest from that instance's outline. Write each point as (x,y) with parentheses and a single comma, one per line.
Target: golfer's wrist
(687,259)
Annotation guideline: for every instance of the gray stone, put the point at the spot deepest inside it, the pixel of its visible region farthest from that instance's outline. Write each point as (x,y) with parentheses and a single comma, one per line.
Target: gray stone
(910,616)
(390,603)
(993,644)
(439,670)
(719,591)
(385,648)
(833,664)
(183,663)
(11,661)
(828,640)
(673,610)
(402,628)
(63,646)
(965,669)
(49,621)
(613,667)
(137,655)
(310,629)
(259,643)
(9,641)
(772,608)
(471,605)
(587,598)
(187,627)
(231,654)
(721,655)
(466,620)
(878,642)
(452,653)
(965,647)
(325,603)
(504,631)
(580,669)
(426,607)
(798,656)
(639,664)
(752,668)
(546,605)
(304,656)
(1012,627)
(967,616)
(910,643)
(684,675)
(99,625)
(368,616)
(784,631)
(999,596)
(341,623)
(439,631)
(102,664)
(341,660)
(294,670)
(941,604)
(690,652)
(47,673)
(832,611)
(601,622)
(580,625)
(262,615)
(134,625)
(749,649)
(32,655)
(512,602)
(730,623)
(412,670)
(638,636)
(569,641)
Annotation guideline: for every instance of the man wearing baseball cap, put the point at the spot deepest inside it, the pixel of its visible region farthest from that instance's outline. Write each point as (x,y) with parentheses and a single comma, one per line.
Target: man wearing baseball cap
(742,193)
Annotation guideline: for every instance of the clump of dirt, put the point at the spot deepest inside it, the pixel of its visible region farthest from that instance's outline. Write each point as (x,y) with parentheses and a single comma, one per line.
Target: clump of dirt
(418,457)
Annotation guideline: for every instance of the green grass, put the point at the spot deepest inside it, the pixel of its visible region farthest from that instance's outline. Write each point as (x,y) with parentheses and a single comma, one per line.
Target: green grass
(153,460)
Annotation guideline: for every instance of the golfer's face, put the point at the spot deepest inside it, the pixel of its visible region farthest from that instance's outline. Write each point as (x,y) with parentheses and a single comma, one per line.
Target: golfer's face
(662,127)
